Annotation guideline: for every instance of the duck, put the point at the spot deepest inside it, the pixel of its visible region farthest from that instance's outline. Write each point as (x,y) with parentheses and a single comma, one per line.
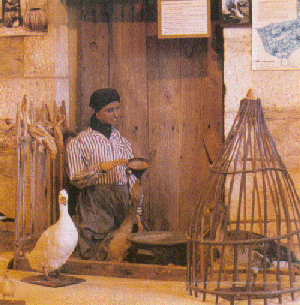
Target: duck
(258,259)
(7,287)
(263,254)
(56,244)
(118,244)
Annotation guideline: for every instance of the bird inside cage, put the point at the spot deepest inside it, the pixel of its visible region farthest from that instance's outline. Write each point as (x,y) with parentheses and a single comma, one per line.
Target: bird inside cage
(248,248)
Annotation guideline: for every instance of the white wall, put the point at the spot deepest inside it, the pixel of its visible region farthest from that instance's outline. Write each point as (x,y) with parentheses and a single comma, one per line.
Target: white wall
(279,92)
(42,67)
(40,64)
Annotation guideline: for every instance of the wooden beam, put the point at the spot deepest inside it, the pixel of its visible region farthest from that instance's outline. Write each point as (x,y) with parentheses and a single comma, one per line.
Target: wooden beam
(125,270)
(76,266)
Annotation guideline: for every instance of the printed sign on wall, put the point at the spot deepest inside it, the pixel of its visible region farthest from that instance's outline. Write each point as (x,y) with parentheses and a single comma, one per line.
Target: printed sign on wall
(183,19)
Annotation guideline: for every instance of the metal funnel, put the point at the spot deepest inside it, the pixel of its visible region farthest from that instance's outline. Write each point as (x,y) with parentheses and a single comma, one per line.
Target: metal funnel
(137,167)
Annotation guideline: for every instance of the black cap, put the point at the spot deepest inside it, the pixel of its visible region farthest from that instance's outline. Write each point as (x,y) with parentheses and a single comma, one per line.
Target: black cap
(103,97)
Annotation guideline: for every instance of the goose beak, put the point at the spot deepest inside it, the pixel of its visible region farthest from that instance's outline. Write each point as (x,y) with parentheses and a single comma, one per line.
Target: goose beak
(62,199)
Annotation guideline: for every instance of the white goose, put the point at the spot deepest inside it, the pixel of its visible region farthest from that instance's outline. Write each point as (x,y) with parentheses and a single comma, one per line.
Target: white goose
(57,243)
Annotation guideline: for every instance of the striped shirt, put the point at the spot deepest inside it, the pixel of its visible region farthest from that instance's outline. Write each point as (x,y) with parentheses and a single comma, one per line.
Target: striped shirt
(88,150)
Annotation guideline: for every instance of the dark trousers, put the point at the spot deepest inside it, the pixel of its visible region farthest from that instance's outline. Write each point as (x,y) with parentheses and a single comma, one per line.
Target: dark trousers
(101,210)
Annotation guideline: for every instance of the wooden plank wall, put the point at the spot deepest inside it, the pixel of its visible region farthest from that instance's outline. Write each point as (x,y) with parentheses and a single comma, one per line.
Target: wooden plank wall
(94,60)
(171,93)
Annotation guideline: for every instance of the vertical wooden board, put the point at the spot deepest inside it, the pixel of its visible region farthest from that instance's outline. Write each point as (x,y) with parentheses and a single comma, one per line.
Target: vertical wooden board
(213,107)
(128,71)
(74,56)
(164,131)
(210,126)
(139,112)
(194,163)
(95,57)
(129,74)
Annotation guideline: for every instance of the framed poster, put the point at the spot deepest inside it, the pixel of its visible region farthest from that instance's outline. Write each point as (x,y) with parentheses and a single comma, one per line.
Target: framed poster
(1,11)
(235,13)
(23,17)
(183,18)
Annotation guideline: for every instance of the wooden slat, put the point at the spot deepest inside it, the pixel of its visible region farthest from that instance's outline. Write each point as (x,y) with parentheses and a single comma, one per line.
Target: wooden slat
(95,60)
(38,190)
(32,177)
(19,186)
(128,74)
(193,162)
(212,119)
(24,165)
(164,130)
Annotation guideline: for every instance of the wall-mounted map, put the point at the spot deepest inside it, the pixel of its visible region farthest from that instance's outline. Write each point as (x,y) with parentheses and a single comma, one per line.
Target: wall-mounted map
(276,35)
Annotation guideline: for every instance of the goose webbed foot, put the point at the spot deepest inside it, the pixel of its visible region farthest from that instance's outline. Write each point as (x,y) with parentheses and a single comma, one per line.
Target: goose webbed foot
(46,275)
(57,275)
(53,275)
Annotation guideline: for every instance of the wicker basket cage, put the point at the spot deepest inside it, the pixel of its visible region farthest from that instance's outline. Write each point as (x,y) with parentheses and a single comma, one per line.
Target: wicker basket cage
(247,218)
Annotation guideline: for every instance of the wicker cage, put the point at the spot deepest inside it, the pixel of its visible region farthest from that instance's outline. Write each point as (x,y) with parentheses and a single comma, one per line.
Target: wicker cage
(243,238)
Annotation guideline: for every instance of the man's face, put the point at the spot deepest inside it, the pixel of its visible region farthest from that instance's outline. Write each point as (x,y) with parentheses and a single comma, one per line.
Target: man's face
(110,113)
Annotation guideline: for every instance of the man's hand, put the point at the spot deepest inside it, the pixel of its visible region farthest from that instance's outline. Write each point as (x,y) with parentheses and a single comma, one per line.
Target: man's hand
(106,166)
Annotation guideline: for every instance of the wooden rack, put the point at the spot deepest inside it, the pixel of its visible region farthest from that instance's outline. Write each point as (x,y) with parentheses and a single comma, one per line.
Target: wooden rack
(40,171)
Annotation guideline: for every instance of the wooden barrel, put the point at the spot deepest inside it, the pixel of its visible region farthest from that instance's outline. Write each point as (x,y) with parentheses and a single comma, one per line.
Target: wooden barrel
(36,20)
